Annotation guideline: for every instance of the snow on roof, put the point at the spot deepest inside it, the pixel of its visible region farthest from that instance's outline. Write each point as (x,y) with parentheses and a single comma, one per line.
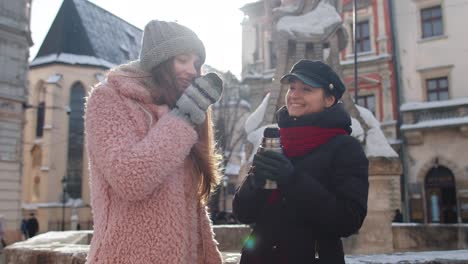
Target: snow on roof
(366,59)
(71,59)
(316,22)
(376,143)
(83,28)
(455,121)
(54,78)
(255,119)
(107,31)
(411,106)
(267,75)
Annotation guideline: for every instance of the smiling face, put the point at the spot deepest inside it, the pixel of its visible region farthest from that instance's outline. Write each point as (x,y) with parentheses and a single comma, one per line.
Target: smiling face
(186,69)
(302,99)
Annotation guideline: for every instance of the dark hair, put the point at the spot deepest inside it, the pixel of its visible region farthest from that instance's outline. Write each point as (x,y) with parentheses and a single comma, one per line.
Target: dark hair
(328,93)
(204,158)
(164,78)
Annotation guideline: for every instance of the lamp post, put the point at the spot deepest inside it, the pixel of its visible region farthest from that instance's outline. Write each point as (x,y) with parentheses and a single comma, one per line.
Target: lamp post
(356,92)
(225,183)
(64,187)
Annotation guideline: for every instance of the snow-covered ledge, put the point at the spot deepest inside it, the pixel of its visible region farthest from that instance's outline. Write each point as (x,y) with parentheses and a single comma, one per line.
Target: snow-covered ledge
(71,247)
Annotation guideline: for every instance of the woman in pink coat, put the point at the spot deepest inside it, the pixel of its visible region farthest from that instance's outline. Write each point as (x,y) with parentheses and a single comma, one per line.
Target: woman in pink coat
(151,153)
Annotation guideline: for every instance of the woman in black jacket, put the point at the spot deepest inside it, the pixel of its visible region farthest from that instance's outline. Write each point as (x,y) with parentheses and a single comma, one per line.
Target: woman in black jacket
(322,177)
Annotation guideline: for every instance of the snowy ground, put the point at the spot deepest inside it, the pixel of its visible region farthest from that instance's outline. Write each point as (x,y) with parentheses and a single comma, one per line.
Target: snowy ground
(432,257)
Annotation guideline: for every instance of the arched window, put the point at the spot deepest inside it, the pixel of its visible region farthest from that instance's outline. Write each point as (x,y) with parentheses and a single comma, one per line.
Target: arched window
(75,141)
(39,100)
(441,198)
(40,119)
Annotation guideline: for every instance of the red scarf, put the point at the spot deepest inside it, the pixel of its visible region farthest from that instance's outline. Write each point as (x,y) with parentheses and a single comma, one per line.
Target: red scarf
(298,141)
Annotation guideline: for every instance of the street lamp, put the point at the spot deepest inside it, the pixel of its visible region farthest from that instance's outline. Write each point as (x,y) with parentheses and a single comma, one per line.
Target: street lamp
(64,187)
(225,183)
(355,32)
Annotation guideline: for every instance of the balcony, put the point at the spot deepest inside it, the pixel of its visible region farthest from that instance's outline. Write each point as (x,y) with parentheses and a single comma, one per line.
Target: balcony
(423,116)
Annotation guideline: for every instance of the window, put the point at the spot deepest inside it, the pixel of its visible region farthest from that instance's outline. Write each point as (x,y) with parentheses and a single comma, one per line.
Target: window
(75,141)
(431,22)
(363,43)
(309,50)
(231,188)
(437,89)
(291,48)
(272,55)
(40,119)
(256,55)
(367,101)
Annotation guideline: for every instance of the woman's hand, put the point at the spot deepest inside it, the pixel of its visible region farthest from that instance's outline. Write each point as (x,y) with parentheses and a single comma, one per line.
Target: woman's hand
(270,165)
(196,99)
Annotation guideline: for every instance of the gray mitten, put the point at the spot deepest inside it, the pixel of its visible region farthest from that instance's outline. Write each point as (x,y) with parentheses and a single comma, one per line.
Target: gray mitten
(196,99)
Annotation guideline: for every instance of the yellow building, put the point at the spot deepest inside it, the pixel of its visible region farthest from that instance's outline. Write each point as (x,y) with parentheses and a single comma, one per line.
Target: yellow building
(83,42)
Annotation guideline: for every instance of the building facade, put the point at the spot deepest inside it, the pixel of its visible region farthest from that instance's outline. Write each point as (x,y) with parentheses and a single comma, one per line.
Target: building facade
(15,40)
(434,60)
(83,42)
(376,81)
(376,74)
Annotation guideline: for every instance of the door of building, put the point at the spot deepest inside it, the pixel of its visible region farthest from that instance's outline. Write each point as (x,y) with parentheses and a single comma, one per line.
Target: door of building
(441,199)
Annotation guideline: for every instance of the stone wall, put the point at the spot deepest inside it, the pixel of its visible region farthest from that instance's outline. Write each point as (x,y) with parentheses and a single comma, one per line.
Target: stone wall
(424,237)
(375,236)
(73,246)
(231,237)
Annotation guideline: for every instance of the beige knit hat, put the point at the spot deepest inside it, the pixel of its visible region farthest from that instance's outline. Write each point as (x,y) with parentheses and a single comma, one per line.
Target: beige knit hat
(163,40)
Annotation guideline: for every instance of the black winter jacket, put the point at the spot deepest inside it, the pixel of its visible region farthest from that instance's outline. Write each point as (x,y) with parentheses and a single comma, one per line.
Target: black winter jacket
(325,200)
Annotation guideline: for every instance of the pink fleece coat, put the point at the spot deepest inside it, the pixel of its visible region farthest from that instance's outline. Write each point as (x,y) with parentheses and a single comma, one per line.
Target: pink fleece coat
(143,195)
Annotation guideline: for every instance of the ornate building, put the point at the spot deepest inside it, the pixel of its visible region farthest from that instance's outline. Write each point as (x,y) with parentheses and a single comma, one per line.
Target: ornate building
(376,80)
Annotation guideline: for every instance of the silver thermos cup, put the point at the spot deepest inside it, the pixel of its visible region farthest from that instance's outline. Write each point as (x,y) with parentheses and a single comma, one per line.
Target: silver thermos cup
(270,141)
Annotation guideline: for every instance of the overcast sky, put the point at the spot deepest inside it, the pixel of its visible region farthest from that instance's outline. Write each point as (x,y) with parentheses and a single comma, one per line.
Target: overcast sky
(217,23)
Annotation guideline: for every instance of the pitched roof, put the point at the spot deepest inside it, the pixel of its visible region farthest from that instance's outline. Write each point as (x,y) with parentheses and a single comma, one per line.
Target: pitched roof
(86,34)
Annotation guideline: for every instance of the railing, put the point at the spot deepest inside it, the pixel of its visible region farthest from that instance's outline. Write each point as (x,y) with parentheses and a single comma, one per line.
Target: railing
(435,114)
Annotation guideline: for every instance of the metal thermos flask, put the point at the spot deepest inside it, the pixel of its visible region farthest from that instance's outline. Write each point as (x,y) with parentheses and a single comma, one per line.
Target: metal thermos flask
(271,141)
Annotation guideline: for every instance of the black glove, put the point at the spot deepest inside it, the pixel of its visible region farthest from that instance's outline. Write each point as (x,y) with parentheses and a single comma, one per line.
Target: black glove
(270,165)
(196,99)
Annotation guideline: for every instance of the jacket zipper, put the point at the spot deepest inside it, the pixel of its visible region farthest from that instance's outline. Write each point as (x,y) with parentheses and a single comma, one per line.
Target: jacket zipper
(317,256)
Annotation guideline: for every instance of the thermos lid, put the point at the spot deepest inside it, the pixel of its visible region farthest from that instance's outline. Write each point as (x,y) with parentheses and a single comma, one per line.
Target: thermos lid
(271,132)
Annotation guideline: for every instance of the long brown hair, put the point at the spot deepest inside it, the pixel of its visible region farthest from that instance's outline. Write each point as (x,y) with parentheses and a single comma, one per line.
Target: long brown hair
(204,156)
